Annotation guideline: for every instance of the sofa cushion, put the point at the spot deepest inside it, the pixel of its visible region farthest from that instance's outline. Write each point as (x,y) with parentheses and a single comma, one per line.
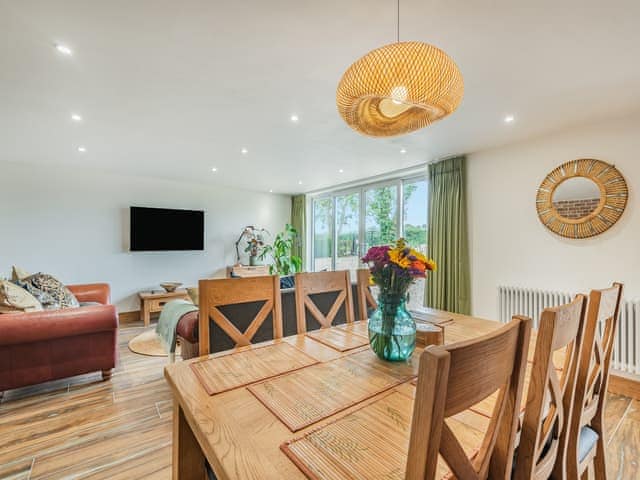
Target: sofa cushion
(16,299)
(586,442)
(18,273)
(54,287)
(90,304)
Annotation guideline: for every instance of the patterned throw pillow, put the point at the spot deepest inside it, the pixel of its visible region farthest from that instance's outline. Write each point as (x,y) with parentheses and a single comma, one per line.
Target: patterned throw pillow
(51,285)
(16,299)
(46,300)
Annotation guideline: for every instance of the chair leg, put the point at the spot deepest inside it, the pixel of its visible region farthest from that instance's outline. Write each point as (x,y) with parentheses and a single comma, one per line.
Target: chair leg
(588,473)
(600,461)
(106,375)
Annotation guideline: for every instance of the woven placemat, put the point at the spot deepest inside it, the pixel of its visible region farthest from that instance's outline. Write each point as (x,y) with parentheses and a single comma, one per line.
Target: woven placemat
(235,370)
(304,397)
(341,339)
(361,327)
(430,315)
(373,442)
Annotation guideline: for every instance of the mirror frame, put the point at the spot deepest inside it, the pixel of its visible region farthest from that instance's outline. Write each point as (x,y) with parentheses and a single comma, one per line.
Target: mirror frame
(613,198)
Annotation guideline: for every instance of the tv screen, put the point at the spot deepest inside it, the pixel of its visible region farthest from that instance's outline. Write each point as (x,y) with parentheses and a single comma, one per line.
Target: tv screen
(156,229)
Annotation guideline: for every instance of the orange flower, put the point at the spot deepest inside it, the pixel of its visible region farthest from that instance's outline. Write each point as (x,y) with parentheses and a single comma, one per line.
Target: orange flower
(419,266)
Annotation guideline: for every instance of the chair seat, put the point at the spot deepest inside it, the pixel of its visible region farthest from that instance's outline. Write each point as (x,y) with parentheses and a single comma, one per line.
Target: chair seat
(586,442)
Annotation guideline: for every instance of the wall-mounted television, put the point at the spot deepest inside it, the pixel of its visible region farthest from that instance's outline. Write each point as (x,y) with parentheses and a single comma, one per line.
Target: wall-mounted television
(162,229)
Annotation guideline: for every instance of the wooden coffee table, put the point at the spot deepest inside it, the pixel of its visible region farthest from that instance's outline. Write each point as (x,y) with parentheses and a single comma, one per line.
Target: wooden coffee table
(155,300)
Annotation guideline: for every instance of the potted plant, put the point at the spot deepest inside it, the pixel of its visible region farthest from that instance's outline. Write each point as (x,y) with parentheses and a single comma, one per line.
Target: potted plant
(255,245)
(285,263)
(392,331)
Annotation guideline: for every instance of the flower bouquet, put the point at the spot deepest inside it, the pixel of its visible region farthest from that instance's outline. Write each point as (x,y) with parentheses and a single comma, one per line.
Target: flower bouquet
(392,331)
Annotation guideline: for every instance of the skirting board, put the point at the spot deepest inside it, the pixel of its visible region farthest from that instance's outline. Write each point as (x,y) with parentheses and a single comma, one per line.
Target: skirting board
(624,385)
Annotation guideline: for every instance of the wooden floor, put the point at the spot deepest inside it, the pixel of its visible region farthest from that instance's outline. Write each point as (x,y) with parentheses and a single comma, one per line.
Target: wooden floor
(121,429)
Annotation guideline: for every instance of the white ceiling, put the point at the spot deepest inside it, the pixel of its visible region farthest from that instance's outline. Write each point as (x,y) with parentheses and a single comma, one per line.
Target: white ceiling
(173,88)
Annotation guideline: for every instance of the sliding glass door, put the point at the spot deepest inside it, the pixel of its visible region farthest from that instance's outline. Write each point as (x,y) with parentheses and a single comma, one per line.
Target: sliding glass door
(414,228)
(346,223)
(322,234)
(414,214)
(347,231)
(381,211)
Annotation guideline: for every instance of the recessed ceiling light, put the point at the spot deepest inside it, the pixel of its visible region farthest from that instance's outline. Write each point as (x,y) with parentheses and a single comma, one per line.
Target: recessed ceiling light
(214,169)
(295,118)
(403,150)
(299,182)
(509,119)
(244,151)
(341,171)
(271,190)
(76,118)
(82,149)
(63,49)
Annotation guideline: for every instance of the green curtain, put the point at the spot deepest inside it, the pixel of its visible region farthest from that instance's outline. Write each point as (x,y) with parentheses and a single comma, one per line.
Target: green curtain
(449,287)
(298,221)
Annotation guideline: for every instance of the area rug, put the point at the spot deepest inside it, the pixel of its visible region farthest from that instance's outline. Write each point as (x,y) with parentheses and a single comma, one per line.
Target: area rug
(148,343)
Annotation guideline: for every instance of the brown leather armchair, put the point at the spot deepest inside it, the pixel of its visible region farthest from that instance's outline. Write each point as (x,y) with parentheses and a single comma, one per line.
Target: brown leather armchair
(36,347)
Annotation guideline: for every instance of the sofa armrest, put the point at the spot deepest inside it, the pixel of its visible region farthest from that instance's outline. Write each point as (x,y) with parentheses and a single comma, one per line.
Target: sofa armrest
(188,326)
(20,328)
(92,292)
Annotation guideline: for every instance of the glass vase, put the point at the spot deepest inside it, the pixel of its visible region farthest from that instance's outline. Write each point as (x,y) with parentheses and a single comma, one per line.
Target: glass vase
(392,331)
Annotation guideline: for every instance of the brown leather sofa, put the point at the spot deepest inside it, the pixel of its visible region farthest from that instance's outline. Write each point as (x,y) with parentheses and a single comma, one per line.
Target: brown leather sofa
(241,315)
(36,347)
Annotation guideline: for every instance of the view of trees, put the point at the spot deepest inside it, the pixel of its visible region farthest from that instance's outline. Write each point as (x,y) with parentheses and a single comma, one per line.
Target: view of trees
(380,224)
(380,220)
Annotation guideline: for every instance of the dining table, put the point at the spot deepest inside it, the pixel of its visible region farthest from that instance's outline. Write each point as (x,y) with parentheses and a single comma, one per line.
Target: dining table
(272,410)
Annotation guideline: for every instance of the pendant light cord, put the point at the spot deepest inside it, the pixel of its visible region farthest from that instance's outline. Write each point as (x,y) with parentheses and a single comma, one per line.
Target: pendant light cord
(398,22)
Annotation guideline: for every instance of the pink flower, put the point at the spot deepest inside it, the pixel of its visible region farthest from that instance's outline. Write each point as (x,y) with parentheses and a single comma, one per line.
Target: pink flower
(377,255)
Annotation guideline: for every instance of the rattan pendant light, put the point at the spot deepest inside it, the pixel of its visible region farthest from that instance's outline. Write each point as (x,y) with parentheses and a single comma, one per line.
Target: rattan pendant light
(399,88)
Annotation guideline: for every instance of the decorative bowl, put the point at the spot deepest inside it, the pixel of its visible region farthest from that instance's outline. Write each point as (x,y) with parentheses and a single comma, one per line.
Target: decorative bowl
(170,286)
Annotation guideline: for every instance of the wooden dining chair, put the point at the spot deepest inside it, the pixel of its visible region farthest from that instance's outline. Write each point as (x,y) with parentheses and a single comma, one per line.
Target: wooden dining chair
(215,294)
(313,283)
(550,395)
(586,445)
(455,377)
(363,290)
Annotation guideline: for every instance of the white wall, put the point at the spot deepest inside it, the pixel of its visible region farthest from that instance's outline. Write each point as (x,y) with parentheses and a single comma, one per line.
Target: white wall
(508,243)
(74,224)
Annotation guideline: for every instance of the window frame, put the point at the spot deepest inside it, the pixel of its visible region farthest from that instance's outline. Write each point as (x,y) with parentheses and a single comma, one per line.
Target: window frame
(361,189)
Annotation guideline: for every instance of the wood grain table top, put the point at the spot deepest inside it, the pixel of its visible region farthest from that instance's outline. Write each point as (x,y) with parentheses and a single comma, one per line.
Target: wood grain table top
(241,438)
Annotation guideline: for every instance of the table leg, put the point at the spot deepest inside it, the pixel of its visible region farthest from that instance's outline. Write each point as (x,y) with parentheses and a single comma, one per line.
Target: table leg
(146,314)
(188,459)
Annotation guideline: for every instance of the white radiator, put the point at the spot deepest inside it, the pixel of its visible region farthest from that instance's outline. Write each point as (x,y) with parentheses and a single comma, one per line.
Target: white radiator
(530,303)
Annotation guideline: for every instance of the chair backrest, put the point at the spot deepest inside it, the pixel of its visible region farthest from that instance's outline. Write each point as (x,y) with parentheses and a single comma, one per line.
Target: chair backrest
(455,377)
(308,284)
(365,297)
(550,395)
(593,371)
(230,291)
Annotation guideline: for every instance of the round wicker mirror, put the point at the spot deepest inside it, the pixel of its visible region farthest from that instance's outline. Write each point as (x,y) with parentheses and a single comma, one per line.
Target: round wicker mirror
(581,198)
